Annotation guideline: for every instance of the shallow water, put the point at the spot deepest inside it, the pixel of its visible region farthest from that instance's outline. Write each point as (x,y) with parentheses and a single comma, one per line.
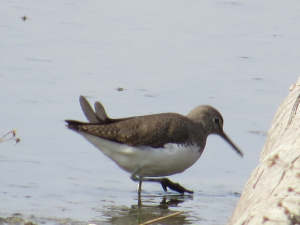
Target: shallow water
(238,56)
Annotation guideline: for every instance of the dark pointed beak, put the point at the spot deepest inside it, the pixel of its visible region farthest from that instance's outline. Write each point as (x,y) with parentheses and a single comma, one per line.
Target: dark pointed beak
(223,135)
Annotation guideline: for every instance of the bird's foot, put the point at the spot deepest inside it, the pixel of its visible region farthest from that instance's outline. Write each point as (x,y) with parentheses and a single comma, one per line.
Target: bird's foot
(166,183)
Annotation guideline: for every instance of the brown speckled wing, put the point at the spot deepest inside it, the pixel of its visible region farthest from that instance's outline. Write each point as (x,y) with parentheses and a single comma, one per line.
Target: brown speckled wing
(153,130)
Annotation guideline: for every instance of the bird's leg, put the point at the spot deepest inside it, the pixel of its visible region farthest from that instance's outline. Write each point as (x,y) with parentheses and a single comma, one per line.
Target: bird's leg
(140,187)
(135,178)
(165,182)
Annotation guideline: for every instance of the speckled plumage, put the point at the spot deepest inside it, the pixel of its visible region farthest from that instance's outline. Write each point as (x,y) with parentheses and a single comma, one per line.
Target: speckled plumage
(152,130)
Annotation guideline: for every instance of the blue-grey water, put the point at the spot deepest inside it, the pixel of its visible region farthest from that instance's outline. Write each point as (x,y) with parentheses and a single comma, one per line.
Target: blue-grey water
(168,56)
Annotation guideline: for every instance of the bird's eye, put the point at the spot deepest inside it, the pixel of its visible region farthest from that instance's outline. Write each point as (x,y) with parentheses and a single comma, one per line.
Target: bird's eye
(216,120)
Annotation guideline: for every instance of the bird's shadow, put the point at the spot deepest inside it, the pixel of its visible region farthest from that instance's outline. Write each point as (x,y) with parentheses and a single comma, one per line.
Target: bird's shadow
(149,207)
(162,200)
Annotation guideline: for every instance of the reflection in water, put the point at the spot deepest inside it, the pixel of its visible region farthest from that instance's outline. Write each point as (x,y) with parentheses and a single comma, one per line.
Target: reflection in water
(149,207)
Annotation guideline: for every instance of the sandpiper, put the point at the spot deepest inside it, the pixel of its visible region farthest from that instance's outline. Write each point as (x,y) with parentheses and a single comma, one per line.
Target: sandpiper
(154,145)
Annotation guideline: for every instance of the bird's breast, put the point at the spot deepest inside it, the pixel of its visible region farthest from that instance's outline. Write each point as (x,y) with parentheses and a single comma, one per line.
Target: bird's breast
(154,162)
(171,159)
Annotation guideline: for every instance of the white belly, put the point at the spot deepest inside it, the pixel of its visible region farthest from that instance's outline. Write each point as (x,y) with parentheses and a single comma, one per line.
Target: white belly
(154,162)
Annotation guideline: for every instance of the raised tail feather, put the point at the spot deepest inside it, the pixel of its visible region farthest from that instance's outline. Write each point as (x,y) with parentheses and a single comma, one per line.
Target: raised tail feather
(99,116)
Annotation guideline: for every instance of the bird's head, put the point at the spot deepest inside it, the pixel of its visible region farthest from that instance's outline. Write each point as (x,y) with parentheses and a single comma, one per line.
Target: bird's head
(212,121)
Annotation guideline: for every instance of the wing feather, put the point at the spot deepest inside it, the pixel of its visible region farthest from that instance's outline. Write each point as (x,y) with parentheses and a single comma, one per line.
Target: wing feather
(152,130)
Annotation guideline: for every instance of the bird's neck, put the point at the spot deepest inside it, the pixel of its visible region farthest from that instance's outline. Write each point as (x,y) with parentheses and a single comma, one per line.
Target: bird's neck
(199,135)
